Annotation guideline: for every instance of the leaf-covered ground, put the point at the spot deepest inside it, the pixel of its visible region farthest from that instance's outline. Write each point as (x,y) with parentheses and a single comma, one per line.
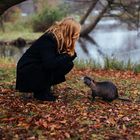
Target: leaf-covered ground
(73,116)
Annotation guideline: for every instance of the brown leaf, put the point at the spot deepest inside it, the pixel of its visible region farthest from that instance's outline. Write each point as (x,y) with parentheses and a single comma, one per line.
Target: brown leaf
(42,122)
(54,126)
(63,122)
(111,121)
(67,135)
(22,124)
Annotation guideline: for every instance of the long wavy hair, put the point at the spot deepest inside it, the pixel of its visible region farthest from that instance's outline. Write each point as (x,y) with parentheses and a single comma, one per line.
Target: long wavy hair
(66,33)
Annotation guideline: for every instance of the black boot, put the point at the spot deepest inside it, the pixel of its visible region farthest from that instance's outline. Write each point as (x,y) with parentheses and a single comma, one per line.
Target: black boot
(45,95)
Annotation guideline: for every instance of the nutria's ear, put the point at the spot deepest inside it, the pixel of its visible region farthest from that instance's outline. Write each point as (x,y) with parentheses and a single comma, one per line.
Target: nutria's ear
(87,78)
(88,81)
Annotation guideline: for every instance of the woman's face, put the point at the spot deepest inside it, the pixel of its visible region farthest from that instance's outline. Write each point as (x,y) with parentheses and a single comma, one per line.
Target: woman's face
(76,31)
(76,36)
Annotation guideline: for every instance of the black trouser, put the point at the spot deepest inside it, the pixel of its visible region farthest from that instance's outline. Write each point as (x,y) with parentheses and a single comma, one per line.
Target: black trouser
(59,73)
(56,76)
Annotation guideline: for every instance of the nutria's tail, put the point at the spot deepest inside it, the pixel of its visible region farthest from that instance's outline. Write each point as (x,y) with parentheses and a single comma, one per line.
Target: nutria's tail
(124,99)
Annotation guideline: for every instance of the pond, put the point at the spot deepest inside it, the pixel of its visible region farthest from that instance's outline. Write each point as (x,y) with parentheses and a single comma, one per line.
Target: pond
(110,39)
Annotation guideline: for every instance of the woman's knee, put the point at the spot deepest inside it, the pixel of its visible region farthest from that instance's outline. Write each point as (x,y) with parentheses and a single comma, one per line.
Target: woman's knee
(63,70)
(68,67)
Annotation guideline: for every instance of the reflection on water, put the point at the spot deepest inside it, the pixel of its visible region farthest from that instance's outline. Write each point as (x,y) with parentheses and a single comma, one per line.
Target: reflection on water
(12,51)
(117,42)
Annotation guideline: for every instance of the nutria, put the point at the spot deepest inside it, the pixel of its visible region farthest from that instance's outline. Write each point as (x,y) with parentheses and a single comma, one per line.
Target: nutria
(106,89)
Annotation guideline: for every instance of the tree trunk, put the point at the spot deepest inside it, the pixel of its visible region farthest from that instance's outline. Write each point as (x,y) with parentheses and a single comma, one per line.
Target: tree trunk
(86,30)
(5,4)
(1,24)
(88,12)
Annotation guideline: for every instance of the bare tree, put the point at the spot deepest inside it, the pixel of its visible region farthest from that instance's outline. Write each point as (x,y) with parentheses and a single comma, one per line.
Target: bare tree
(86,30)
(1,24)
(88,12)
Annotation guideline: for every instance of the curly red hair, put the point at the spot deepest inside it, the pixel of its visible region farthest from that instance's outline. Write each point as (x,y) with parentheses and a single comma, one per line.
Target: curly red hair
(66,33)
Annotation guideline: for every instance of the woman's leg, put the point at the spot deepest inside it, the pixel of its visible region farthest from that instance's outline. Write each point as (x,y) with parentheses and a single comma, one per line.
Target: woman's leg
(56,77)
(44,95)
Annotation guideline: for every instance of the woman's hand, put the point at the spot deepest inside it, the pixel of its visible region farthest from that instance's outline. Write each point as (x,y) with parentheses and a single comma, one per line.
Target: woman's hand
(74,56)
(71,58)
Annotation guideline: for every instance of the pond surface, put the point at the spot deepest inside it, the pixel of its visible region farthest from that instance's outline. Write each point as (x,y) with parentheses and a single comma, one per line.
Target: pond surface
(110,38)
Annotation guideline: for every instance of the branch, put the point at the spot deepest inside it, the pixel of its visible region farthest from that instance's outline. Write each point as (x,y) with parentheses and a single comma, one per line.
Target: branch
(5,4)
(88,12)
(91,26)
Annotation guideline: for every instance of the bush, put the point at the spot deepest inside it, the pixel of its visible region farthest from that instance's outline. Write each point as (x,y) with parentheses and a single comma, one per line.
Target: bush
(112,63)
(19,26)
(83,64)
(47,17)
(136,68)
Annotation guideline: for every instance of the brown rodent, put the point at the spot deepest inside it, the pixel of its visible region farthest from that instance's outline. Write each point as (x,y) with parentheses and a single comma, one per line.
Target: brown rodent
(106,89)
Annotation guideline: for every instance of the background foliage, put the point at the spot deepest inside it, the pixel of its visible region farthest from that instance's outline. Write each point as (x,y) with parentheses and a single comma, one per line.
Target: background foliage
(47,17)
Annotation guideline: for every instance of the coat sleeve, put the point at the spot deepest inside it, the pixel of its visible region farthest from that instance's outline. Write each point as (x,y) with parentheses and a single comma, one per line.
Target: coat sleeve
(49,57)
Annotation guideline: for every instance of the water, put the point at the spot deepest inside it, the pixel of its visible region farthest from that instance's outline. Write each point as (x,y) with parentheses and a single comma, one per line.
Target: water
(12,51)
(110,38)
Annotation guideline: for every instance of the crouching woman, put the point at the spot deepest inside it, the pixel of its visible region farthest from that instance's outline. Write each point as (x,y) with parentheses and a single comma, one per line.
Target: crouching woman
(48,60)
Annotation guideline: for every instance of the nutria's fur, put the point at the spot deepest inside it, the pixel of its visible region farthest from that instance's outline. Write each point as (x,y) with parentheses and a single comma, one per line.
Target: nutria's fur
(106,90)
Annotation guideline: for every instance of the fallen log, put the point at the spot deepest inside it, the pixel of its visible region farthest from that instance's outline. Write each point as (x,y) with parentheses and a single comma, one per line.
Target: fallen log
(19,42)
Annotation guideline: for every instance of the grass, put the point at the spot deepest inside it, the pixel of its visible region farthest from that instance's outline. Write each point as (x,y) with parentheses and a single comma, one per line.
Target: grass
(109,64)
(118,65)
(88,63)
(7,70)
(74,115)
(6,60)
(9,36)
(18,29)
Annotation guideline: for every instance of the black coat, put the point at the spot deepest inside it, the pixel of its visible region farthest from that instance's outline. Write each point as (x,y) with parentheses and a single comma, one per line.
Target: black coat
(39,64)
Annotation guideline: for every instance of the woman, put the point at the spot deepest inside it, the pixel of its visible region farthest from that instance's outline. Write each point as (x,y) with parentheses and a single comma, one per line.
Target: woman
(48,60)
